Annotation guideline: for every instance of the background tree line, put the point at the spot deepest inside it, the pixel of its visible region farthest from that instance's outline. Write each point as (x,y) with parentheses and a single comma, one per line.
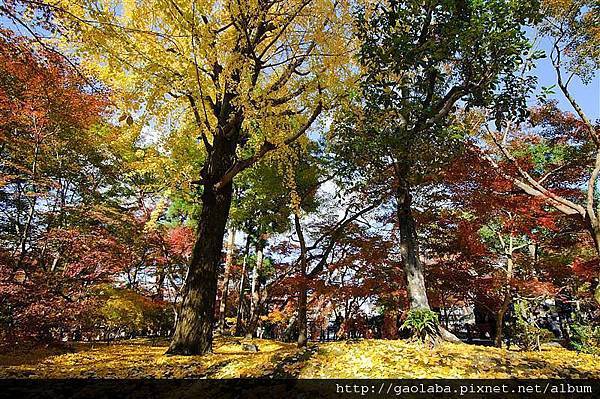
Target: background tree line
(263,167)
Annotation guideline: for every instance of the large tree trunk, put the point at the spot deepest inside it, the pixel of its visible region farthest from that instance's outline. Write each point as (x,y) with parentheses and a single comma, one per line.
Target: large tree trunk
(409,249)
(254,298)
(302,321)
(240,308)
(226,273)
(193,334)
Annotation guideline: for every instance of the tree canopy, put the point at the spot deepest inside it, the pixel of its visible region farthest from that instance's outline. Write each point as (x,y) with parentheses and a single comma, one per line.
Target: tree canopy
(299,170)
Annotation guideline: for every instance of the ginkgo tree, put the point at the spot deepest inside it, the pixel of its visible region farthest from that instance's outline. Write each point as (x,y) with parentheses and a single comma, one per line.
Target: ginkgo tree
(252,76)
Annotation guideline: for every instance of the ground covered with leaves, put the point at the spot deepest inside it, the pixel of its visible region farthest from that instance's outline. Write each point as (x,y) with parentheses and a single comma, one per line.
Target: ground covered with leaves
(143,358)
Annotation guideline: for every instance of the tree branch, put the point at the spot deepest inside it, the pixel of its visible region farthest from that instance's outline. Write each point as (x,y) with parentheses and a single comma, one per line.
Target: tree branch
(266,147)
(533,187)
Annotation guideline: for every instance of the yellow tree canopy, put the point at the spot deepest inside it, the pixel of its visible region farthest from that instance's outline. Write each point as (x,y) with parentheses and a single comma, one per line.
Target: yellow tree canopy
(270,66)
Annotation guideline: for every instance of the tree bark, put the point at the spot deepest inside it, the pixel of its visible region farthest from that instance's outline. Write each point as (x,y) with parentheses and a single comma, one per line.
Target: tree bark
(255,283)
(193,334)
(238,323)
(287,334)
(500,318)
(254,298)
(32,204)
(594,229)
(226,273)
(160,281)
(510,266)
(302,321)
(302,296)
(409,248)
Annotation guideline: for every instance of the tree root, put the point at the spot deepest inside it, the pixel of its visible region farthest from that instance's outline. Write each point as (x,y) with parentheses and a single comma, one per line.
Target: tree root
(447,336)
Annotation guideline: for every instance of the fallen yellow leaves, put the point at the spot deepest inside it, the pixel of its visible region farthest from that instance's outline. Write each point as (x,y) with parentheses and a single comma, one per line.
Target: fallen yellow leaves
(402,359)
(143,358)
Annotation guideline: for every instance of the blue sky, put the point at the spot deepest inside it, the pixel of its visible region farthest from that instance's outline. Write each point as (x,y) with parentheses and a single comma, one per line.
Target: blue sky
(587,96)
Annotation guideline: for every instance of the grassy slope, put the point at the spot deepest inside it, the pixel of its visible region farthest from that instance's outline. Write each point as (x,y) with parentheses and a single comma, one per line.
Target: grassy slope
(361,359)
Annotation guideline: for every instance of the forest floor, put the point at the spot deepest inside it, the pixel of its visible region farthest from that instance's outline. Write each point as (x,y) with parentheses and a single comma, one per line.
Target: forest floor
(143,358)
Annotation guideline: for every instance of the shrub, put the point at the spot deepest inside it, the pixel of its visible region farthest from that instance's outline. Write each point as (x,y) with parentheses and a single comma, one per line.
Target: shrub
(124,311)
(423,324)
(585,338)
(526,334)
